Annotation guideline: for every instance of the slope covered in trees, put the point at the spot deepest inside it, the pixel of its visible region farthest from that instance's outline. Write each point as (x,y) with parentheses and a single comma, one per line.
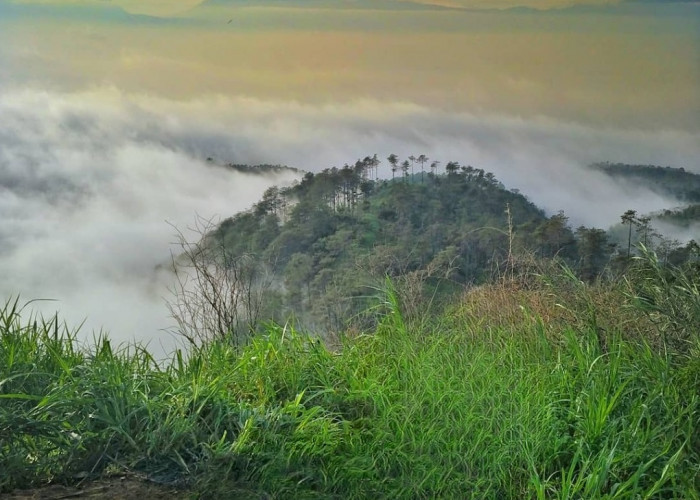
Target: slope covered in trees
(672,232)
(676,183)
(261,169)
(319,246)
(336,233)
(682,217)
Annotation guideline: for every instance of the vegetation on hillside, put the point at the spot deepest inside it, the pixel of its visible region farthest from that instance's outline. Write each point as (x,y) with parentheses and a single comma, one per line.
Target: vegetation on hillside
(317,248)
(260,169)
(536,385)
(681,217)
(331,235)
(675,183)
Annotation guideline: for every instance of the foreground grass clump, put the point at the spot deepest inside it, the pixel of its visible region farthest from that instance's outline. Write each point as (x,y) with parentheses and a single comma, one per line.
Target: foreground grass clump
(451,408)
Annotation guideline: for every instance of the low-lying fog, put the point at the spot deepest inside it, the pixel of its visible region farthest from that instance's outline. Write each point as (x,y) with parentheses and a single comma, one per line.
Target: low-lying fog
(90,181)
(88,187)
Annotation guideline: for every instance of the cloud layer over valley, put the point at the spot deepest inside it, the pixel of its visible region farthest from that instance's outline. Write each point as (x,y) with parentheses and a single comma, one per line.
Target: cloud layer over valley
(87,183)
(89,179)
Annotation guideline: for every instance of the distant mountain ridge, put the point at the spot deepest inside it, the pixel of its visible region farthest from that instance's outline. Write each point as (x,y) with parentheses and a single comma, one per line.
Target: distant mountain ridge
(262,169)
(682,217)
(324,4)
(677,183)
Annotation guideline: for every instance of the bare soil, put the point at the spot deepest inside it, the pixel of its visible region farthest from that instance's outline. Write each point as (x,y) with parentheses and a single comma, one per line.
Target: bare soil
(113,488)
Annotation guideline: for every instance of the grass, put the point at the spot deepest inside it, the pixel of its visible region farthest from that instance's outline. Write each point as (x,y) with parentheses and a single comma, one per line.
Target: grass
(457,406)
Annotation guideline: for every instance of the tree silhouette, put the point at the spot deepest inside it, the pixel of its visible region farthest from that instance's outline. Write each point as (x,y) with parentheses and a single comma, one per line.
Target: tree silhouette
(422,159)
(394,162)
(629,218)
(644,227)
(347,175)
(593,250)
(270,203)
(217,293)
(375,165)
(434,167)
(367,168)
(404,168)
(554,235)
(413,161)
(452,167)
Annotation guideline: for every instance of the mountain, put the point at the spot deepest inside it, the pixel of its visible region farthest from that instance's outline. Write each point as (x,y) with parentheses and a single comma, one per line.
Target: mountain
(315,250)
(261,169)
(676,183)
(325,241)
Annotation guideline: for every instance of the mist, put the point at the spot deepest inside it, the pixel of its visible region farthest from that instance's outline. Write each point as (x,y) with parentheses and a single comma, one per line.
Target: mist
(90,189)
(91,181)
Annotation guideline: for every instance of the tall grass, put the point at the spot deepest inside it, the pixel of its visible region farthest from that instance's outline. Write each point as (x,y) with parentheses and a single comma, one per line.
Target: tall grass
(669,296)
(456,407)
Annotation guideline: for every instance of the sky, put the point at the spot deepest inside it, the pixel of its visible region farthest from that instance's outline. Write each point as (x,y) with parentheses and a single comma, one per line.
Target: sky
(110,108)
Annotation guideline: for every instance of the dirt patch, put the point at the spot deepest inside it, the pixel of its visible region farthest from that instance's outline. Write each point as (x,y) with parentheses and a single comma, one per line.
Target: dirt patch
(122,488)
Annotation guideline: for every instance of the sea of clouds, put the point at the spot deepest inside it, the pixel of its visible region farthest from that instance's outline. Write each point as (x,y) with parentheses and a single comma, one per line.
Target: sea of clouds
(90,181)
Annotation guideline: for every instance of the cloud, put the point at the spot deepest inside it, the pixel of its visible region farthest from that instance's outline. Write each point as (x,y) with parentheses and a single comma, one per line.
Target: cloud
(87,183)
(88,179)
(626,71)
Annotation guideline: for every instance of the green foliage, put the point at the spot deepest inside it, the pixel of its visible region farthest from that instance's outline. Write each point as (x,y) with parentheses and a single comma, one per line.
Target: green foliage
(682,217)
(670,297)
(264,169)
(675,182)
(457,406)
(338,233)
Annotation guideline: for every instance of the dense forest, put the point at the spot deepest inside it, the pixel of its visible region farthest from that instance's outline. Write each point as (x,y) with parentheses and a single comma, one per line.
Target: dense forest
(318,247)
(682,217)
(673,182)
(261,169)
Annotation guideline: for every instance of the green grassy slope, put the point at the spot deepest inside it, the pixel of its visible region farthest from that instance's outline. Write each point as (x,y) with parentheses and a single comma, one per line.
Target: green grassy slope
(531,387)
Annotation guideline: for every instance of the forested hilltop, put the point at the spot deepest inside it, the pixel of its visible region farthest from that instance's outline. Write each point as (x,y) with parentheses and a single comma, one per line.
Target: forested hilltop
(666,231)
(673,182)
(318,247)
(334,234)
(260,169)
(682,217)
